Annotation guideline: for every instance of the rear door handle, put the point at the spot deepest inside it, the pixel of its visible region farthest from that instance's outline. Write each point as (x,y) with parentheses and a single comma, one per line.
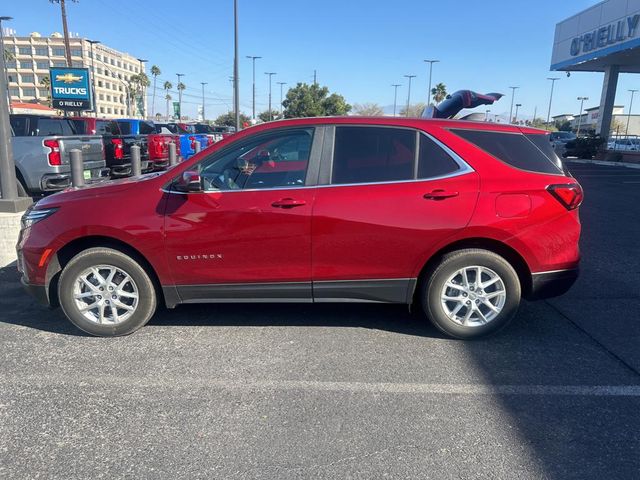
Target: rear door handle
(440,195)
(288,203)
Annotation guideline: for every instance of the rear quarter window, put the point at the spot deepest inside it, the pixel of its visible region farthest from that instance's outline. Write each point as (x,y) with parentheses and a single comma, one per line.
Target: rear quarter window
(514,149)
(146,128)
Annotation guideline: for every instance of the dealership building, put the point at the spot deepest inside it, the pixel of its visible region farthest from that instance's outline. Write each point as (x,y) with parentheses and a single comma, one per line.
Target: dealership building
(604,38)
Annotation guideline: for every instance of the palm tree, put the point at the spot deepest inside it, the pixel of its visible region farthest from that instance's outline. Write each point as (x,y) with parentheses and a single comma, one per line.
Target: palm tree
(8,55)
(167,97)
(46,82)
(155,71)
(181,86)
(439,92)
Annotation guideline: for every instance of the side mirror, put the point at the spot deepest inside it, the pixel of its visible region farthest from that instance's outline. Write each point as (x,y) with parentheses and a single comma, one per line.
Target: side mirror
(190,181)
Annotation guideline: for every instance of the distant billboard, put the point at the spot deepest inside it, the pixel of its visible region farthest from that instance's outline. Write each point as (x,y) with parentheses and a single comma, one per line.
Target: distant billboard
(70,88)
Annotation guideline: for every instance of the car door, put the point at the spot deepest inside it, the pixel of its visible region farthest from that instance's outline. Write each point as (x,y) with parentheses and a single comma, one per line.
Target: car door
(248,233)
(391,196)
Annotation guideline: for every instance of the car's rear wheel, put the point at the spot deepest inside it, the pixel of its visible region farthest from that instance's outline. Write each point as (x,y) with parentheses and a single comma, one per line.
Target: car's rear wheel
(471,293)
(106,293)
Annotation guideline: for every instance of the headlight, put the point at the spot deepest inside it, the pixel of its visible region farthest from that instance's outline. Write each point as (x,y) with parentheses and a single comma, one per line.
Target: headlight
(32,216)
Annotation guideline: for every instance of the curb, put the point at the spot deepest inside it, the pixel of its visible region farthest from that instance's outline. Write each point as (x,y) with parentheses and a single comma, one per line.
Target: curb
(604,162)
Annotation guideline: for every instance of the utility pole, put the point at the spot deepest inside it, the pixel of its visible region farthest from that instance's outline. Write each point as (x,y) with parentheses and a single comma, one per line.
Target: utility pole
(315,77)
(626,133)
(281,85)
(236,80)
(430,62)
(179,75)
(553,82)
(515,119)
(253,60)
(8,183)
(65,29)
(582,99)
(203,115)
(409,93)
(4,71)
(535,112)
(271,74)
(395,96)
(93,76)
(513,94)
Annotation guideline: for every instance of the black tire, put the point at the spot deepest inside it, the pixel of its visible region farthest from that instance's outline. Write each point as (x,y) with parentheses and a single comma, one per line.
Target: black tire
(91,257)
(450,264)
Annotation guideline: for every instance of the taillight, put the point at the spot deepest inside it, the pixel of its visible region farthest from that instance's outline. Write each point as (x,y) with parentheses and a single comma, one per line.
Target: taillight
(53,156)
(193,143)
(118,148)
(569,195)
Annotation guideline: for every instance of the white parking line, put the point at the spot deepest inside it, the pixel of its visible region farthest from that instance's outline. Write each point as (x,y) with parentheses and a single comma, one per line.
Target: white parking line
(329,386)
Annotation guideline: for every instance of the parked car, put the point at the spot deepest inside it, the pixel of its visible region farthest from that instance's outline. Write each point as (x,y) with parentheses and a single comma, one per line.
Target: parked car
(41,146)
(624,144)
(188,139)
(460,219)
(559,141)
(117,144)
(157,143)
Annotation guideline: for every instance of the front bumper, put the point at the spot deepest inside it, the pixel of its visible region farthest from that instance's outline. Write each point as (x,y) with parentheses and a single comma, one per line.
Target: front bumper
(39,292)
(552,284)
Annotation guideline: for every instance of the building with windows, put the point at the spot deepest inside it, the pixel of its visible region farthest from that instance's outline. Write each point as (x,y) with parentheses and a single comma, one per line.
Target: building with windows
(31,57)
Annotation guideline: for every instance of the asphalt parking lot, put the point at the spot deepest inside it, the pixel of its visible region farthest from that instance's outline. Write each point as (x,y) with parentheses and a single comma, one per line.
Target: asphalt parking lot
(347,391)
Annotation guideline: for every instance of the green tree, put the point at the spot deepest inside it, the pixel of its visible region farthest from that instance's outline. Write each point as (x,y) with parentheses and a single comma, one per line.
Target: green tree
(155,71)
(265,117)
(8,55)
(229,119)
(167,97)
(46,82)
(135,88)
(564,126)
(415,110)
(439,92)
(368,109)
(313,101)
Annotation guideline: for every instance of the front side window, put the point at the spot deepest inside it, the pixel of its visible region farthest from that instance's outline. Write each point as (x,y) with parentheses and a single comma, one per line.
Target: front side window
(373,154)
(270,161)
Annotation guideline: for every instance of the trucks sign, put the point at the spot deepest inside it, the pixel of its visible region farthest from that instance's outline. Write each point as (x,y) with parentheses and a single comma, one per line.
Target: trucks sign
(70,88)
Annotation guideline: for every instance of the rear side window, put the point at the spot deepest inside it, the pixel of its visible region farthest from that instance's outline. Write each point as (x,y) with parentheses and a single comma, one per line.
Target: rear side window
(125,128)
(373,154)
(19,126)
(544,144)
(514,149)
(106,128)
(433,161)
(146,128)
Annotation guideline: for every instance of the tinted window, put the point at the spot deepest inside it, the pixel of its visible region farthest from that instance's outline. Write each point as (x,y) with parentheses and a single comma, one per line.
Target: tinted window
(125,128)
(202,128)
(146,128)
(19,126)
(275,160)
(433,161)
(54,126)
(373,154)
(542,142)
(512,148)
(107,128)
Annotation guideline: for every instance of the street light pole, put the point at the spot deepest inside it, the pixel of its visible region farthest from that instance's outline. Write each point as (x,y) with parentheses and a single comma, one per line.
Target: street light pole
(281,85)
(270,74)
(430,62)
(253,60)
(553,82)
(626,133)
(203,115)
(582,99)
(236,78)
(513,94)
(515,119)
(395,96)
(93,77)
(179,75)
(486,115)
(409,93)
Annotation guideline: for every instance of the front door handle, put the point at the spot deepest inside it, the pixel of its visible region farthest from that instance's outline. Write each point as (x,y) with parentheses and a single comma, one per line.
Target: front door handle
(288,203)
(440,195)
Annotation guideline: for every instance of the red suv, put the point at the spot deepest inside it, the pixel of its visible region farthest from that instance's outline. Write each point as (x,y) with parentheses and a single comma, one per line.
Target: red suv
(460,218)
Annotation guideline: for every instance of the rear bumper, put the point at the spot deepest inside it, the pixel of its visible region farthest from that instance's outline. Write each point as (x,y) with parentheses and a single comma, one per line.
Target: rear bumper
(552,284)
(39,292)
(53,182)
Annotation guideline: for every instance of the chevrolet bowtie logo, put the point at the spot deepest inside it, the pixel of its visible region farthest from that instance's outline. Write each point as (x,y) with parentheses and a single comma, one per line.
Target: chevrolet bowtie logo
(68,78)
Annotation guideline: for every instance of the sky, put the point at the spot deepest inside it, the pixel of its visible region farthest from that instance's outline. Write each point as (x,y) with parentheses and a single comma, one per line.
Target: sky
(359,48)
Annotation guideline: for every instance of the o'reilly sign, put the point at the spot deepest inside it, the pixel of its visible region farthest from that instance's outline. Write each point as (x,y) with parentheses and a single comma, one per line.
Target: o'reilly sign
(604,36)
(70,88)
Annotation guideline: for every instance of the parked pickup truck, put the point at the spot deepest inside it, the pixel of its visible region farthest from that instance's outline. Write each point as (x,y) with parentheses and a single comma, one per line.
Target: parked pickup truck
(117,144)
(188,138)
(158,143)
(41,146)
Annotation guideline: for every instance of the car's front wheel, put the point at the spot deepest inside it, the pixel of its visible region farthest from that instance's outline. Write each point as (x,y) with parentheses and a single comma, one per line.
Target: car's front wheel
(471,293)
(106,293)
